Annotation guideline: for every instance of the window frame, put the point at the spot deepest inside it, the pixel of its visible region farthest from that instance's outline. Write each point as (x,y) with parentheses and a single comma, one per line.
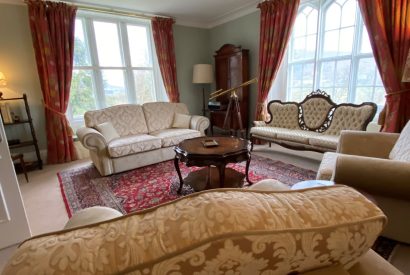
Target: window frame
(158,89)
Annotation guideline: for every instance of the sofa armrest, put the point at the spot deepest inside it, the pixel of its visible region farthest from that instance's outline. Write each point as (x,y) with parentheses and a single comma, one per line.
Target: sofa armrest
(199,123)
(91,139)
(374,175)
(368,144)
(259,123)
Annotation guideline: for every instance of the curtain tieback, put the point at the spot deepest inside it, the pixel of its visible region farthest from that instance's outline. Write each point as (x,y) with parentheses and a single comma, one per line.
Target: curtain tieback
(398,92)
(54,111)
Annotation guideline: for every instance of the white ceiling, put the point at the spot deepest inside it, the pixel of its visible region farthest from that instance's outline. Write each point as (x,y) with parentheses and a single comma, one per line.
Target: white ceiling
(197,13)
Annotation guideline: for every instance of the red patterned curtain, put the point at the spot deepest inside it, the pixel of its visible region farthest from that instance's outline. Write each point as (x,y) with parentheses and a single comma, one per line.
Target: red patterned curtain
(388,25)
(52,29)
(277,18)
(164,45)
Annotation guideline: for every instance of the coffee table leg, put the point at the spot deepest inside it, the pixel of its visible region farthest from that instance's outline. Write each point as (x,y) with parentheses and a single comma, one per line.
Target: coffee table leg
(181,181)
(248,162)
(221,170)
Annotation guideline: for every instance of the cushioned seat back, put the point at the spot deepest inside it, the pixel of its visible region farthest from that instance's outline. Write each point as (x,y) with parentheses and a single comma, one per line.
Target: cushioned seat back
(127,119)
(351,117)
(315,111)
(283,115)
(160,115)
(213,232)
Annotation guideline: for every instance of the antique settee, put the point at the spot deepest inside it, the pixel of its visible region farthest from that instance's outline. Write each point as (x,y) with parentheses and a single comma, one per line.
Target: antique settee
(379,165)
(314,124)
(326,230)
(145,134)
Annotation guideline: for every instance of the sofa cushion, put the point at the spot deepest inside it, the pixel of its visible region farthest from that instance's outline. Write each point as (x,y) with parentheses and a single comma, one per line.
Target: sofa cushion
(160,115)
(127,119)
(300,136)
(171,137)
(401,150)
(348,117)
(327,141)
(315,111)
(211,232)
(181,121)
(128,145)
(107,131)
(267,131)
(283,115)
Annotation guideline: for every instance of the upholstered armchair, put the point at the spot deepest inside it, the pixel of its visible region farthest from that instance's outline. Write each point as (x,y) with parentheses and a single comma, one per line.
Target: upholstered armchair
(379,165)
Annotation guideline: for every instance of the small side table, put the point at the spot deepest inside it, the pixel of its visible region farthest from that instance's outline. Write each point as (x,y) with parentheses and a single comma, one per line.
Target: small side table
(20,158)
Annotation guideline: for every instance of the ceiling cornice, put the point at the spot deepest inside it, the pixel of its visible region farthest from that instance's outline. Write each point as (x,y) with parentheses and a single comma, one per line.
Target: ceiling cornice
(216,21)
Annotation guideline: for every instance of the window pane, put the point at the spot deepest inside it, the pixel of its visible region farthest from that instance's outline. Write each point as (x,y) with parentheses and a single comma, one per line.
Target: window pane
(312,22)
(82,97)
(299,46)
(363,94)
(378,78)
(81,53)
(349,13)
(365,46)
(108,44)
(327,74)
(308,77)
(138,43)
(300,25)
(340,95)
(296,75)
(333,17)
(346,41)
(310,46)
(342,73)
(366,72)
(379,96)
(144,86)
(331,43)
(114,87)
(297,94)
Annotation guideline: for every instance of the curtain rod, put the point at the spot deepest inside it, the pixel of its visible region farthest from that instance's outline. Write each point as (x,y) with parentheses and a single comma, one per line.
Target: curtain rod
(110,10)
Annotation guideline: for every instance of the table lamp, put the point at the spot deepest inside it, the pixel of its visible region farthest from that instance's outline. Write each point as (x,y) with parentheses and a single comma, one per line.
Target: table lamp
(203,74)
(3,83)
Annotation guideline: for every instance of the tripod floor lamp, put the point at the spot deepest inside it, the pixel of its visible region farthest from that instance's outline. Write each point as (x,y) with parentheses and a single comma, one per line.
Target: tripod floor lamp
(203,74)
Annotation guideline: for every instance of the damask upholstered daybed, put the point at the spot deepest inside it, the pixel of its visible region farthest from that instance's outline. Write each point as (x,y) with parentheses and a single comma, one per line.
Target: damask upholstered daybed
(314,124)
(314,231)
(129,136)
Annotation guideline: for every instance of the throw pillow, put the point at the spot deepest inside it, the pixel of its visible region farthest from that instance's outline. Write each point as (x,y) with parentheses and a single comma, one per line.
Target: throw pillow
(401,150)
(181,121)
(107,130)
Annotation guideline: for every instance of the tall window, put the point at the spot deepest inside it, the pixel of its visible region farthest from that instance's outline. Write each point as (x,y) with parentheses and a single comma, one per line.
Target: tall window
(114,63)
(330,50)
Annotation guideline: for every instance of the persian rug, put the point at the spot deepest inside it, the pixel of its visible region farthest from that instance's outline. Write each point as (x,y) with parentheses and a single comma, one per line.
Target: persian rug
(149,186)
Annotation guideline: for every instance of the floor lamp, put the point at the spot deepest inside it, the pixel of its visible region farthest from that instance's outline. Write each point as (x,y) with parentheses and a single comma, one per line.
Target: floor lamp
(203,74)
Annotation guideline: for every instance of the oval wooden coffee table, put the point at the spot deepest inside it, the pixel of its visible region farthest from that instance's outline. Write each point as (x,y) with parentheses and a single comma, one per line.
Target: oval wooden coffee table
(230,150)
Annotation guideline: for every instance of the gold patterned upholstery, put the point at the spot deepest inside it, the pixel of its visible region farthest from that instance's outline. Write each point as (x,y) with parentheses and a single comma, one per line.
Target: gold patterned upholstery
(284,115)
(214,232)
(160,115)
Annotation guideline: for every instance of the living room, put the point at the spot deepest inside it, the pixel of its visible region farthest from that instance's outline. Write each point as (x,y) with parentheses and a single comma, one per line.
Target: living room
(82,157)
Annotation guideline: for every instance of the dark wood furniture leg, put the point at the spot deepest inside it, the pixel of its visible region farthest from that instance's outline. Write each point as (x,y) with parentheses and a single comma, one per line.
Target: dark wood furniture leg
(248,162)
(221,170)
(20,157)
(181,181)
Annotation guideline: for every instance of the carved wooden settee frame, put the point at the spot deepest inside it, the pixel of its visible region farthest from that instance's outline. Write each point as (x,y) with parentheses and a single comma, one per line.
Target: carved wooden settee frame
(327,129)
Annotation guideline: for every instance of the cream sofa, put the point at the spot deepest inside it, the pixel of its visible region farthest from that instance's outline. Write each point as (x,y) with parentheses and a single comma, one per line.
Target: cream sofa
(146,135)
(314,124)
(326,230)
(378,164)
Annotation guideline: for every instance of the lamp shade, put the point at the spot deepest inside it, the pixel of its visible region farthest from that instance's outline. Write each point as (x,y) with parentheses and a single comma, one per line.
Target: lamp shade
(3,81)
(203,74)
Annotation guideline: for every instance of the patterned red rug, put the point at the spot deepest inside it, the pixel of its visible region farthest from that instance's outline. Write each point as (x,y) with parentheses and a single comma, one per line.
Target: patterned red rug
(151,185)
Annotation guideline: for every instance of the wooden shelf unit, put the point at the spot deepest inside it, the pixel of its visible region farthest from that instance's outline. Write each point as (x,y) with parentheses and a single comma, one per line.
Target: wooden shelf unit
(29,120)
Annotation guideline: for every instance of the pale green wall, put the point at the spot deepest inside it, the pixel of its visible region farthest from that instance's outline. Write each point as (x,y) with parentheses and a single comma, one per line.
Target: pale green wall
(17,62)
(191,47)
(244,32)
